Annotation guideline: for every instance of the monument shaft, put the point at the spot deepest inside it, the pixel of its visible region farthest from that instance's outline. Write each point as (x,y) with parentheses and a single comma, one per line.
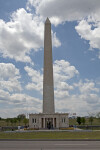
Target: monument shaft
(48,87)
(48,119)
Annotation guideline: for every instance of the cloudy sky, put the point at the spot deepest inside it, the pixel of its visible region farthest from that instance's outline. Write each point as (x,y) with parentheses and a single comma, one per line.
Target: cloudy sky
(76,55)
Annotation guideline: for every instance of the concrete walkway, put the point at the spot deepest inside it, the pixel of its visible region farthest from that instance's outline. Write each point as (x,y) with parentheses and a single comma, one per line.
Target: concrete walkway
(55,130)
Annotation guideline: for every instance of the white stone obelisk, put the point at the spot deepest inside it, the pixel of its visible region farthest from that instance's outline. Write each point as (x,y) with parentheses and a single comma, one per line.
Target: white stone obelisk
(48,86)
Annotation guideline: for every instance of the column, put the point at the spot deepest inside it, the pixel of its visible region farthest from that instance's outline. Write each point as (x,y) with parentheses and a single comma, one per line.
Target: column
(43,122)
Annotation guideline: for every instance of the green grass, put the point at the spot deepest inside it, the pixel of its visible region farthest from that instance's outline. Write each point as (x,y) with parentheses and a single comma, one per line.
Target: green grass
(51,135)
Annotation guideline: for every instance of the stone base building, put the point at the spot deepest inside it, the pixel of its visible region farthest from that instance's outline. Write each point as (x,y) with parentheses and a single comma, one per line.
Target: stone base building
(49,121)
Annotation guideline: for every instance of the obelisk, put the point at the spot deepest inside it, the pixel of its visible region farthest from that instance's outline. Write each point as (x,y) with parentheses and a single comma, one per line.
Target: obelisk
(48,86)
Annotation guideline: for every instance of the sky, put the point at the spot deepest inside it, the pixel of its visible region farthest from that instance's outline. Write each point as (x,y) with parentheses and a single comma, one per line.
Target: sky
(76,55)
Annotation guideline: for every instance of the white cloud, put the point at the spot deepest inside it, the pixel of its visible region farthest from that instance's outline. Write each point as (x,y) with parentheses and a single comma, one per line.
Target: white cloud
(84,98)
(65,10)
(73,104)
(36,78)
(81,104)
(4,95)
(55,40)
(21,34)
(8,70)
(87,86)
(11,86)
(63,71)
(25,31)
(89,94)
(9,77)
(34,74)
(90,98)
(84,29)
(87,100)
(23,98)
(18,103)
(73,10)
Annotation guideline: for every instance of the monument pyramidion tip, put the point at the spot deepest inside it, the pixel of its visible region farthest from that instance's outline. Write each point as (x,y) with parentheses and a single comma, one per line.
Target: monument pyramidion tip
(47,20)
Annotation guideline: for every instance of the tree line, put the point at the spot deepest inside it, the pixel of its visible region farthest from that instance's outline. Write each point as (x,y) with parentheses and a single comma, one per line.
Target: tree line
(21,118)
(82,120)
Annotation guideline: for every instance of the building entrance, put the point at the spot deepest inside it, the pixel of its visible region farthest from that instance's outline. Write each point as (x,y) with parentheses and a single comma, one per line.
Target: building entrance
(49,123)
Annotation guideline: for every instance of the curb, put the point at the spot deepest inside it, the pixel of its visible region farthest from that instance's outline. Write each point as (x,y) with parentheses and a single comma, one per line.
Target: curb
(49,139)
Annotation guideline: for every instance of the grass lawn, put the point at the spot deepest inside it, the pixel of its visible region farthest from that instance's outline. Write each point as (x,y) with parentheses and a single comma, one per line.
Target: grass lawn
(51,135)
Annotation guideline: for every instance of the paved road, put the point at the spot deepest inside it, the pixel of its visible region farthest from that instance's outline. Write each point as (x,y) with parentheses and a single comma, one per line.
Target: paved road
(49,145)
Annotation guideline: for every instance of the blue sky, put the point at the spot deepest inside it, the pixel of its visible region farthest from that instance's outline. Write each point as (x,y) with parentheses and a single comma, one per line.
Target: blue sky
(76,55)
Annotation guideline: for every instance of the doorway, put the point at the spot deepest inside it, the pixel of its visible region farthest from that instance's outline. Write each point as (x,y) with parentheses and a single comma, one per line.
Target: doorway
(49,123)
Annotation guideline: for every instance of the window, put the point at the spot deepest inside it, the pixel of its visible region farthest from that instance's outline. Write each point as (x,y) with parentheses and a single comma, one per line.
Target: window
(34,120)
(63,120)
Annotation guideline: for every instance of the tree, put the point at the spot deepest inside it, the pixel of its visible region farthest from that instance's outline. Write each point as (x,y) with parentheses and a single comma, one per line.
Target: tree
(83,120)
(19,120)
(79,120)
(25,121)
(91,119)
(98,116)
(22,116)
(7,121)
(15,120)
(12,121)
